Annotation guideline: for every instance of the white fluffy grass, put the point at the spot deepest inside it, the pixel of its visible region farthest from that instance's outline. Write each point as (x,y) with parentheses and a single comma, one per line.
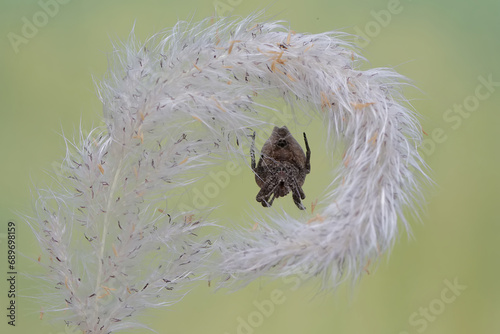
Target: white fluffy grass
(173,104)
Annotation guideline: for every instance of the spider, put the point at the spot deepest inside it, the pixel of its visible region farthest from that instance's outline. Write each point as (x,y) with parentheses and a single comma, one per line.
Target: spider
(282,167)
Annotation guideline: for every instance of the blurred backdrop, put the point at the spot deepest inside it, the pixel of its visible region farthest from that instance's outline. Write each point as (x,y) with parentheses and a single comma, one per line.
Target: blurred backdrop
(442,279)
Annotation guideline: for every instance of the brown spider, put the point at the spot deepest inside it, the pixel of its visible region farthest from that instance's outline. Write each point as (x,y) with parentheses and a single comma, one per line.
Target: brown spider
(282,167)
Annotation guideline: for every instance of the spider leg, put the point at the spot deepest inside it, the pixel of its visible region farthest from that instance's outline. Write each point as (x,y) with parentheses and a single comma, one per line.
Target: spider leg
(297,195)
(266,202)
(272,195)
(265,193)
(308,155)
(296,199)
(261,196)
(301,193)
(252,151)
(272,200)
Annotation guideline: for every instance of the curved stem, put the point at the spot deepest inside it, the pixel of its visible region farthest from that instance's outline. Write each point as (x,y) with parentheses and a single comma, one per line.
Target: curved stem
(105,231)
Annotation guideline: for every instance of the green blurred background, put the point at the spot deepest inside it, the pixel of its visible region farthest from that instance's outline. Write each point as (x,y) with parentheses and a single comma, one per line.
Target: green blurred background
(443,46)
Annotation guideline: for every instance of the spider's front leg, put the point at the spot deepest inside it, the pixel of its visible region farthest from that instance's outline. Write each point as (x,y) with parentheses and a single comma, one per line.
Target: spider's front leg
(252,151)
(308,155)
(297,194)
(268,202)
(263,198)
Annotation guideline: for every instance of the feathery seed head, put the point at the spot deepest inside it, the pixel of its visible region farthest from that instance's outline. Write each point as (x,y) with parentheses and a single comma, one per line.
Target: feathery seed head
(177,103)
